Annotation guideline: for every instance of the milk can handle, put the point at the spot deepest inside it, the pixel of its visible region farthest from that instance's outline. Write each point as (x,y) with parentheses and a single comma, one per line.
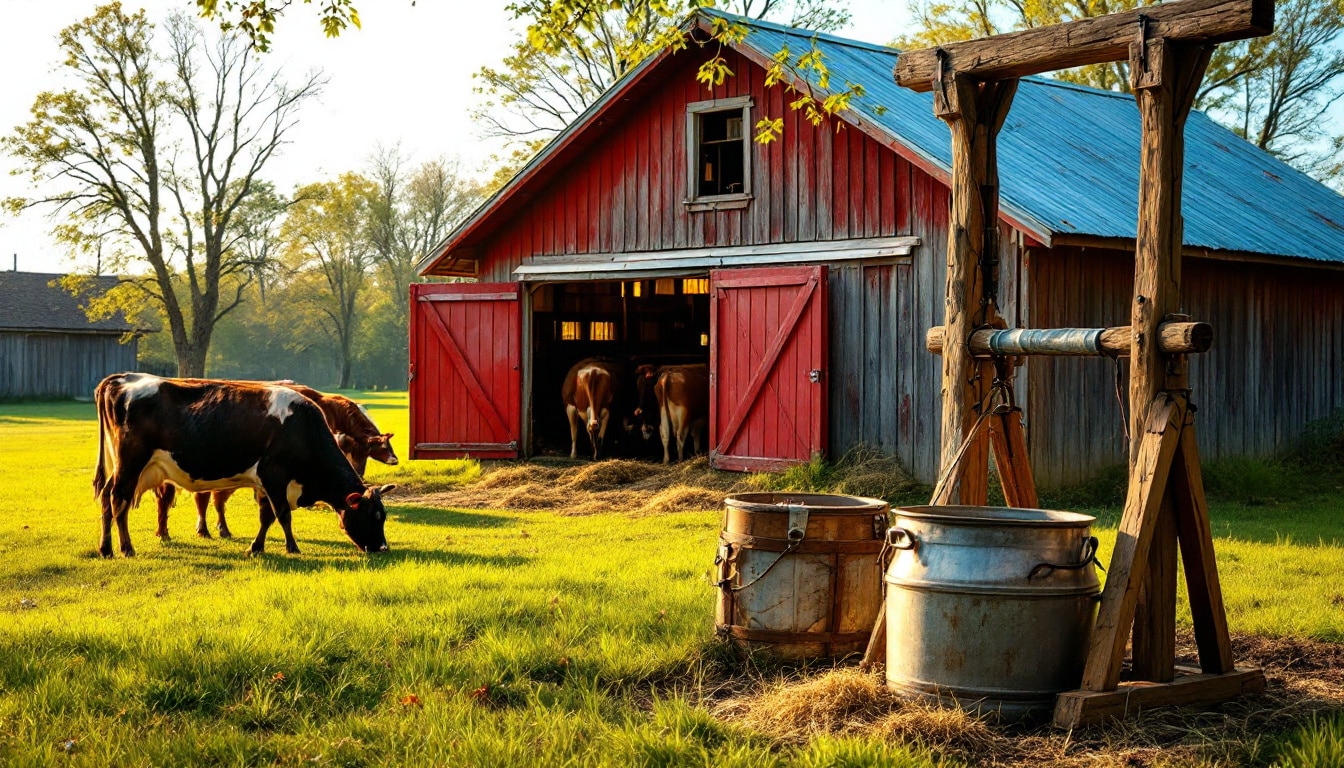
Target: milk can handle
(899,538)
(1088,557)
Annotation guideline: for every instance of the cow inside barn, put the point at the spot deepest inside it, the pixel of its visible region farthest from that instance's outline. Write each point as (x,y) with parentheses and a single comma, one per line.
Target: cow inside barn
(592,392)
(216,435)
(674,400)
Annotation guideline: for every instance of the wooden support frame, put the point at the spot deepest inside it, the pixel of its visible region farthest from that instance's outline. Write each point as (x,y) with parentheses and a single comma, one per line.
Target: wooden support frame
(1168,47)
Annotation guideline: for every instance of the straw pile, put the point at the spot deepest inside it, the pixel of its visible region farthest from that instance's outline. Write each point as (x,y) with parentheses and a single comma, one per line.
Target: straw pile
(1306,679)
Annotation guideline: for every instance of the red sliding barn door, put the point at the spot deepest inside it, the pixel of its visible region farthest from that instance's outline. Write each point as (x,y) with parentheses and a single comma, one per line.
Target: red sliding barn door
(767,367)
(466,370)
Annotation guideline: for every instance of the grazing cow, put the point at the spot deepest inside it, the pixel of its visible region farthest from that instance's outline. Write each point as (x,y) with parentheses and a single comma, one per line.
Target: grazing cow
(356,435)
(205,435)
(676,399)
(591,389)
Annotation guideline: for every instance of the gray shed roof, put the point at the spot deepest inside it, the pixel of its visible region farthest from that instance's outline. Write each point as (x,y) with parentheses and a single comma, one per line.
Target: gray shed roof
(34,301)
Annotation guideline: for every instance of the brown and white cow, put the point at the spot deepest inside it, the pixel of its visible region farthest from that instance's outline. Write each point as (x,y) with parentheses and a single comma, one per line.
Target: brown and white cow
(676,399)
(203,435)
(591,390)
(356,435)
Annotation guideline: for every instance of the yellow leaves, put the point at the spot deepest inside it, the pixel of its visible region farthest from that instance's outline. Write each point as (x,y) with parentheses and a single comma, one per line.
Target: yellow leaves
(769,129)
(713,72)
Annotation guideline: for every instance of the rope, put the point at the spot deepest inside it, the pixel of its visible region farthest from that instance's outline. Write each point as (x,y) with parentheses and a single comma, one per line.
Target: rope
(1005,398)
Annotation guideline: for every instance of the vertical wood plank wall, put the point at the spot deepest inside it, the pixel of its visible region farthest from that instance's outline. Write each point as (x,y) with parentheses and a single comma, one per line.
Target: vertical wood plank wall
(624,193)
(1277,361)
(60,364)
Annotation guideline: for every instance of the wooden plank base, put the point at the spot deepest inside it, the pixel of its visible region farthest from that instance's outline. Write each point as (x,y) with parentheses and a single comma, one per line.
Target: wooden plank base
(1189,688)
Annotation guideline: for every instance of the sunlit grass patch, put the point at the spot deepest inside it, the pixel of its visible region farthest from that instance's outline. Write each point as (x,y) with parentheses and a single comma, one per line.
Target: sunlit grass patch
(495,636)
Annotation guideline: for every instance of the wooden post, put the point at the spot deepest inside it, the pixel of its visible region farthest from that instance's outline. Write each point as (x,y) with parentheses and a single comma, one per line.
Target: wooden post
(975,112)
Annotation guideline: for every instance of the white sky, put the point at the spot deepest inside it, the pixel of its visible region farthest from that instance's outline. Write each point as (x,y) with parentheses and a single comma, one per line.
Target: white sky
(405,77)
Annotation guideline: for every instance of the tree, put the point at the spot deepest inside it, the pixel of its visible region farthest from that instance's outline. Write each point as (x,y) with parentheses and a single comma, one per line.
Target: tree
(326,234)
(1273,91)
(413,212)
(559,68)
(153,157)
(257,18)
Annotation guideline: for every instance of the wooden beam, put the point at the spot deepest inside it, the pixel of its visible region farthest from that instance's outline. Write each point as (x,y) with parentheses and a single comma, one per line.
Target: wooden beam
(1172,339)
(1154,641)
(1077,708)
(1010,456)
(1158,441)
(1163,108)
(974,113)
(1201,570)
(1086,41)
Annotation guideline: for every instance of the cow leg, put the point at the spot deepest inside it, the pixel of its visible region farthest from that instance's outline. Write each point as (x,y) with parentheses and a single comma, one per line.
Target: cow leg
(123,493)
(202,504)
(602,430)
(697,434)
(222,525)
(267,517)
(105,507)
(573,414)
(665,432)
(164,496)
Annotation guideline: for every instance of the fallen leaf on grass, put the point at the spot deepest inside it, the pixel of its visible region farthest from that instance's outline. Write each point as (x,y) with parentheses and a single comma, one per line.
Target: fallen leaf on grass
(482,694)
(410,700)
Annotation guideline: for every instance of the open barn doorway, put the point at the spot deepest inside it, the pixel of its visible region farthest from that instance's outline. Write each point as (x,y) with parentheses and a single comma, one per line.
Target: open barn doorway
(658,321)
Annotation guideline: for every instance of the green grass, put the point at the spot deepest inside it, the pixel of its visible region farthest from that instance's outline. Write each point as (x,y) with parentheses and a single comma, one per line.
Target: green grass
(484,638)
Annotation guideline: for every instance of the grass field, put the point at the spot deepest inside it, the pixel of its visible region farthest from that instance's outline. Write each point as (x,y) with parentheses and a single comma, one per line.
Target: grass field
(484,638)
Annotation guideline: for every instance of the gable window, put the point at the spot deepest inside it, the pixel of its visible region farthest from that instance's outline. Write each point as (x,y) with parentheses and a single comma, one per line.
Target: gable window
(718,153)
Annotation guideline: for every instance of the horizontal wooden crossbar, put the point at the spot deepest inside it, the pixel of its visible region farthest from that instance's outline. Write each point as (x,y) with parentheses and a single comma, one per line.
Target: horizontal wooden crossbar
(1077,708)
(1173,339)
(1087,41)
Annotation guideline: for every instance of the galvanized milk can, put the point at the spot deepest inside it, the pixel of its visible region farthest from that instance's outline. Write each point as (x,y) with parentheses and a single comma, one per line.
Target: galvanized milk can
(798,573)
(989,608)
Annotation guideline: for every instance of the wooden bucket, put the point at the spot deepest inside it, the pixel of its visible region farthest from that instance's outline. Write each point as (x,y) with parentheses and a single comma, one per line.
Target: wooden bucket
(798,573)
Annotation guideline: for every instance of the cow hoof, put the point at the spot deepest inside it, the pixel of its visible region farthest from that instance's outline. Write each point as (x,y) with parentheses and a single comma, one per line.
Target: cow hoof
(128,552)
(164,537)
(203,534)
(292,550)
(255,550)
(105,552)
(225,534)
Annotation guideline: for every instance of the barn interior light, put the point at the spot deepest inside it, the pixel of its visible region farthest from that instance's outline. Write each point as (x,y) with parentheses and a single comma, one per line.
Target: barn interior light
(704,339)
(571,330)
(638,289)
(665,287)
(695,285)
(601,331)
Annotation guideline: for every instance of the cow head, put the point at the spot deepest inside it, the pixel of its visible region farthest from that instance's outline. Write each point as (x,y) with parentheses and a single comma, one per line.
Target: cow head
(646,403)
(380,449)
(363,517)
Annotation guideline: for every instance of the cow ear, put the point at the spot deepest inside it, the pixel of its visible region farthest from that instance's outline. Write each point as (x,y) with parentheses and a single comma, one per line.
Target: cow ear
(386,488)
(352,501)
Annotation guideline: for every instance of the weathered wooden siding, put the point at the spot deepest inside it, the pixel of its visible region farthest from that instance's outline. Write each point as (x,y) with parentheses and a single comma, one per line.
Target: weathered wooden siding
(59,364)
(1277,360)
(624,192)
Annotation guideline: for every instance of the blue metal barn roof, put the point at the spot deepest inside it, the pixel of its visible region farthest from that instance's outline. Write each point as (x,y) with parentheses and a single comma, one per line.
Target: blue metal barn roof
(1069,158)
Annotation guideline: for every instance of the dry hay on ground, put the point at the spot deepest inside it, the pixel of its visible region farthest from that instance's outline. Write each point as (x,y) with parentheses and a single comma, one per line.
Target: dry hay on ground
(1305,679)
(615,485)
(621,485)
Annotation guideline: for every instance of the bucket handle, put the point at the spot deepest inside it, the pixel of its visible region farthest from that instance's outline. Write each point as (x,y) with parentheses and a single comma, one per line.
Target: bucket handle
(798,515)
(1086,558)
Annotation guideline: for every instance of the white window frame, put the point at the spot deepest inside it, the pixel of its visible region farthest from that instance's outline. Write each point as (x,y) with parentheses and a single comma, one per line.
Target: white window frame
(695,201)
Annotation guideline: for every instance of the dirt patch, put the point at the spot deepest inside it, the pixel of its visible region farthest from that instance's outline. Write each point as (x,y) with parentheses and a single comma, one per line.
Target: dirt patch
(1305,679)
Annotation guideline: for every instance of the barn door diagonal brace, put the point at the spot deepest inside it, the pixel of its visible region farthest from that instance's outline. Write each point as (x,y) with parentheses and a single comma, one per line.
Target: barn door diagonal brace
(474,389)
(768,361)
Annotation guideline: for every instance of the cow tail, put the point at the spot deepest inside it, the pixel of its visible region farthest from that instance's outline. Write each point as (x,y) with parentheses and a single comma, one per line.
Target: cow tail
(100,472)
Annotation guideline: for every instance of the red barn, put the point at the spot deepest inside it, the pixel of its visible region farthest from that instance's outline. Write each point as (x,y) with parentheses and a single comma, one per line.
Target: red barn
(807,271)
